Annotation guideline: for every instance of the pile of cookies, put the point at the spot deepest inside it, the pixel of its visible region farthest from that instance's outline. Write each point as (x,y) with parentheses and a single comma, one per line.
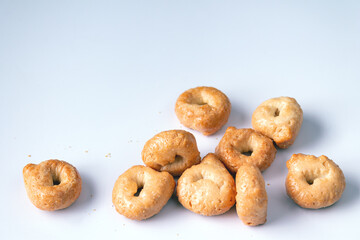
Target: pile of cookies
(206,186)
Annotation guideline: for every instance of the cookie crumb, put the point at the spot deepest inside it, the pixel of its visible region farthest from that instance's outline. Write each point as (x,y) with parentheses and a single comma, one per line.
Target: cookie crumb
(108,155)
(268,184)
(86,151)
(29,155)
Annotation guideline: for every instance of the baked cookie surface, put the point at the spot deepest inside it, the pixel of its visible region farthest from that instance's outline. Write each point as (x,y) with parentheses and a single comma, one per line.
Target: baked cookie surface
(239,146)
(314,182)
(251,197)
(172,151)
(52,184)
(207,188)
(141,192)
(205,109)
(280,119)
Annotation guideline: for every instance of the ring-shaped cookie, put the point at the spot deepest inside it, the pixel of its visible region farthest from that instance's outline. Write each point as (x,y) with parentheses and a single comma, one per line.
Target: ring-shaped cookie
(205,109)
(141,192)
(239,146)
(280,119)
(314,182)
(52,184)
(207,188)
(172,151)
(251,197)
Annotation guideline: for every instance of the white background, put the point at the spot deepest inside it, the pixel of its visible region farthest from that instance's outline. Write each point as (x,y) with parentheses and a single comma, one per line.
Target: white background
(82,79)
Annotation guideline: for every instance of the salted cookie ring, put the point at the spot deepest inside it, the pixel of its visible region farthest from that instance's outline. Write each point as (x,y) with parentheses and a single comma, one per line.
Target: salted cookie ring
(171,151)
(205,109)
(280,119)
(141,192)
(207,188)
(239,146)
(251,197)
(52,184)
(314,182)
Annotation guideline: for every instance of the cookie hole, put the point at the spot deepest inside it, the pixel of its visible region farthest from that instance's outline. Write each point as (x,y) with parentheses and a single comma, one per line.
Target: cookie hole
(56,182)
(178,162)
(198,100)
(138,191)
(55,178)
(198,177)
(200,104)
(277,113)
(248,153)
(178,158)
(310,181)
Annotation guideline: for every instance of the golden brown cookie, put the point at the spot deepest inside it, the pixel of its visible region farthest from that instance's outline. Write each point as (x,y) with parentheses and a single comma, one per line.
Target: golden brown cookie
(207,188)
(280,119)
(52,184)
(205,109)
(141,192)
(239,146)
(314,182)
(171,151)
(251,197)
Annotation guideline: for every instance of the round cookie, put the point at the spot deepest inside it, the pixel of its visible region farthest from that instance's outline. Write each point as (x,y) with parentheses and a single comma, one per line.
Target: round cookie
(239,146)
(141,192)
(52,184)
(171,151)
(314,182)
(205,109)
(251,197)
(280,119)
(207,188)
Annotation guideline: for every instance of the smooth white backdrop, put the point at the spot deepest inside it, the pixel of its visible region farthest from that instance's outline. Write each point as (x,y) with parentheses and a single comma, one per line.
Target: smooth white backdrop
(82,79)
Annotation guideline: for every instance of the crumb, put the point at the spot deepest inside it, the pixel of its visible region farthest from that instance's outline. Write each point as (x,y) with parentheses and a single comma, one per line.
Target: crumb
(217,138)
(268,184)
(159,112)
(86,151)
(124,224)
(108,155)
(29,155)
(177,234)
(94,210)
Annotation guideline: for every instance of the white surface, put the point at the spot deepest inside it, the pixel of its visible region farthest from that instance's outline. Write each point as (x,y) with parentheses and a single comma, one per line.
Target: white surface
(103,77)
